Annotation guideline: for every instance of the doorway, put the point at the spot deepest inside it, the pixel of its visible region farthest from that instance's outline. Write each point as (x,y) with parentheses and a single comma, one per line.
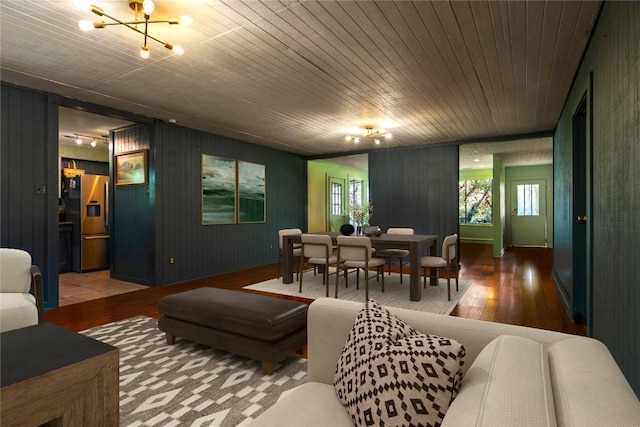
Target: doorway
(328,190)
(83,141)
(528,161)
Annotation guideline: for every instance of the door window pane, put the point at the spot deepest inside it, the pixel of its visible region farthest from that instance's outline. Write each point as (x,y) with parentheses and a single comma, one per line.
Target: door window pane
(528,203)
(336,199)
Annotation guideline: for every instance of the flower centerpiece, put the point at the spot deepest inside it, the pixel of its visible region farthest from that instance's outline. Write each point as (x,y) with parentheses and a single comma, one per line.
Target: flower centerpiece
(360,213)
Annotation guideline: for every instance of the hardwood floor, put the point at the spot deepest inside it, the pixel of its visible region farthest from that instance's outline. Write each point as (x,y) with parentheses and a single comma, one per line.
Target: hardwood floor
(516,289)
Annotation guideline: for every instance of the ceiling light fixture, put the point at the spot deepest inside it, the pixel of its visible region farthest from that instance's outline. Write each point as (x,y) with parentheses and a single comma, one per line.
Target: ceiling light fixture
(147,7)
(370,133)
(79,138)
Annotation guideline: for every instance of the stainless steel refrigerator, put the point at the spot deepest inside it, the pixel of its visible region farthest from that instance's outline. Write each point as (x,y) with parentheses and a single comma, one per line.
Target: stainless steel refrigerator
(87,204)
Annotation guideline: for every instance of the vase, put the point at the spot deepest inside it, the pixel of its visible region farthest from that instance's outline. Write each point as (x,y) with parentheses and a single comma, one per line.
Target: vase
(359,230)
(371,230)
(347,229)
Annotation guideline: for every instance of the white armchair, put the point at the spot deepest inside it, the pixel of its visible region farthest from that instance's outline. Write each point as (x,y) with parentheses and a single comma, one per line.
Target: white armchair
(18,307)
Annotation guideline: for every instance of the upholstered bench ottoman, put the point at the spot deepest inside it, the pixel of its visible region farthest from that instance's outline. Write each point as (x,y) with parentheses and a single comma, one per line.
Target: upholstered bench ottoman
(250,325)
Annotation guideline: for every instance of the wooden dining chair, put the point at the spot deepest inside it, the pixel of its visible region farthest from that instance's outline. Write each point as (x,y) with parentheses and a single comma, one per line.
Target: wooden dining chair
(447,262)
(355,252)
(391,253)
(296,247)
(317,249)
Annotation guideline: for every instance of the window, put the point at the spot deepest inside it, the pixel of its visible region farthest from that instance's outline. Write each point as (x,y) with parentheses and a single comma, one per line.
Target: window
(475,201)
(528,200)
(355,191)
(336,199)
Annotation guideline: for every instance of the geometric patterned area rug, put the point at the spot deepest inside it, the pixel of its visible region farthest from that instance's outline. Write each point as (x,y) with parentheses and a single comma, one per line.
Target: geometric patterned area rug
(188,384)
(434,298)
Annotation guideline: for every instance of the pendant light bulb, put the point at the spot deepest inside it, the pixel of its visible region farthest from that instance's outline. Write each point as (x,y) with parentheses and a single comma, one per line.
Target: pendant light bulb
(78,140)
(82,4)
(86,25)
(144,52)
(148,7)
(178,50)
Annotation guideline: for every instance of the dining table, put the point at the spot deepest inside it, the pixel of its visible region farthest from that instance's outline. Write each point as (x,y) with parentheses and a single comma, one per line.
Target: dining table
(414,243)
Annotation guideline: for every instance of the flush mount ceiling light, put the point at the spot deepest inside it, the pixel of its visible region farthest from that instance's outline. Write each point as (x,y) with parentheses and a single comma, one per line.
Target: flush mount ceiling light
(376,135)
(145,7)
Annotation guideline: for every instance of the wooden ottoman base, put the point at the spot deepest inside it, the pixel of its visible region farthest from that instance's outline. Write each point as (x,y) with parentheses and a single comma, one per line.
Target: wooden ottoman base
(250,325)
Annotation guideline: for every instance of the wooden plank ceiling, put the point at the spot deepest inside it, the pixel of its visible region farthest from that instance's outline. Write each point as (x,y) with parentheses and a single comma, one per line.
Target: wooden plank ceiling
(301,75)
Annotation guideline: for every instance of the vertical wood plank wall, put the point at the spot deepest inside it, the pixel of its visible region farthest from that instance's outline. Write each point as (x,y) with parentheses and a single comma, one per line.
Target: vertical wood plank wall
(132,232)
(613,56)
(416,188)
(563,200)
(28,185)
(168,222)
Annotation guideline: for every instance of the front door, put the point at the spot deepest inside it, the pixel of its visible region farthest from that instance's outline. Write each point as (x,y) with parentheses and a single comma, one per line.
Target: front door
(529,212)
(336,203)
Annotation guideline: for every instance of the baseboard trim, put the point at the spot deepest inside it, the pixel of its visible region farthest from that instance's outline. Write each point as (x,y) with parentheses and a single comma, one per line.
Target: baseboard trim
(566,301)
(476,240)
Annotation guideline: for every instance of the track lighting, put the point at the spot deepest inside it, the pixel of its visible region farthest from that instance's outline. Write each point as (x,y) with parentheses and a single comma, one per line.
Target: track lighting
(80,138)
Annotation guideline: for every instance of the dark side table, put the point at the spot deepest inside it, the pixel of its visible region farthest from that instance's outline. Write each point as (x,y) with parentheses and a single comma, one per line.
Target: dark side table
(56,377)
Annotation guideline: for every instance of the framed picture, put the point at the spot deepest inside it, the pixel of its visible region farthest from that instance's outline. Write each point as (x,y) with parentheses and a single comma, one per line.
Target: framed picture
(131,168)
(218,190)
(251,192)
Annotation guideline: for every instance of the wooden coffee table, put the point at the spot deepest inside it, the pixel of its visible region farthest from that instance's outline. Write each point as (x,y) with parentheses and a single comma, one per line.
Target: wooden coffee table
(52,375)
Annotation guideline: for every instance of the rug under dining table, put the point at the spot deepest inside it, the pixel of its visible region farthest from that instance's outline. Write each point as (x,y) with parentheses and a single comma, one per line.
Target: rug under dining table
(434,298)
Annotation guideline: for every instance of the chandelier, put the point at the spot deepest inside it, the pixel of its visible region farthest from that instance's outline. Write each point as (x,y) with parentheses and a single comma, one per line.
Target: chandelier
(370,133)
(147,7)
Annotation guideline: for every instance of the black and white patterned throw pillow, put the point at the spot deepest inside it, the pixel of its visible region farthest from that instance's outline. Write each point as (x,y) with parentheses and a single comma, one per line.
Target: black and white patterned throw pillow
(390,375)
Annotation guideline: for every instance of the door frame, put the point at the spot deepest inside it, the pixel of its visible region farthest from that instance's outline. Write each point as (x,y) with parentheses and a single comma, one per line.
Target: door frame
(582,250)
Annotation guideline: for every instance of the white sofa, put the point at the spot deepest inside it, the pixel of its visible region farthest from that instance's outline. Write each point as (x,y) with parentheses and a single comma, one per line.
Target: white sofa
(514,376)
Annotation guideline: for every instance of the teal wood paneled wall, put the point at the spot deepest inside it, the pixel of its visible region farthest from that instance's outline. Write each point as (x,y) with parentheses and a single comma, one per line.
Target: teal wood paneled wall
(613,56)
(205,250)
(416,188)
(29,181)
(133,225)
(563,210)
